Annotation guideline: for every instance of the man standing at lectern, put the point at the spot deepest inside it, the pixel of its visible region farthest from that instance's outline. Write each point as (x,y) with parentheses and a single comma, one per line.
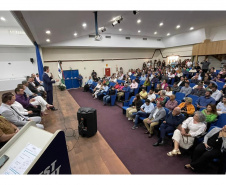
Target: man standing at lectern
(48,85)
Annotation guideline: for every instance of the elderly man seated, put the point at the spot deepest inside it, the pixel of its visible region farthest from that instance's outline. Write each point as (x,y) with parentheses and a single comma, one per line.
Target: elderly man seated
(155,116)
(133,86)
(88,84)
(172,120)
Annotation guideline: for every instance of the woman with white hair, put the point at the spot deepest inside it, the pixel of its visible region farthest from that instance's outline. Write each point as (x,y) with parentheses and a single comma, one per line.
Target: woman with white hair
(185,134)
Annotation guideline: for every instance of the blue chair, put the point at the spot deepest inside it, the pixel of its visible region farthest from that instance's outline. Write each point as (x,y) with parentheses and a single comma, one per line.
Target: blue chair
(111,84)
(94,84)
(113,98)
(167,110)
(148,88)
(217,71)
(119,81)
(220,85)
(172,81)
(178,102)
(141,82)
(220,122)
(192,85)
(194,97)
(136,91)
(127,95)
(127,104)
(179,96)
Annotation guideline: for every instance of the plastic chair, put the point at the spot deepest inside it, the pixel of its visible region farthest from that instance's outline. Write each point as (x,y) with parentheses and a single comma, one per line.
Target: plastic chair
(113,98)
(192,85)
(127,95)
(172,81)
(179,96)
(141,82)
(136,91)
(127,104)
(194,97)
(220,122)
(220,85)
(111,84)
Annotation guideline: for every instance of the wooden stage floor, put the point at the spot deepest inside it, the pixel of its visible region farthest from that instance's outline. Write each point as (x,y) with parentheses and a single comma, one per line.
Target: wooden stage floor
(87,155)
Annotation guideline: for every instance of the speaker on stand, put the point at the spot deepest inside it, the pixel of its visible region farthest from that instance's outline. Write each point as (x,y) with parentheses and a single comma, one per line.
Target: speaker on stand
(87,121)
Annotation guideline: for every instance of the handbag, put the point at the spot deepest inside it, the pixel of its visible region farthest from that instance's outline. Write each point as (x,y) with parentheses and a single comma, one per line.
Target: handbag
(179,127)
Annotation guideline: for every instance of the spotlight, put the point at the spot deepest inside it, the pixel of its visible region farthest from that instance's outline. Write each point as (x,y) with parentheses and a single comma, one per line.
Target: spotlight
(103,29)
(117,20)
(135,12)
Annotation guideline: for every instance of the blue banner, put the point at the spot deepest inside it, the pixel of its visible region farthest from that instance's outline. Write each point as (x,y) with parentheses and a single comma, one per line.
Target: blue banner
(39,61)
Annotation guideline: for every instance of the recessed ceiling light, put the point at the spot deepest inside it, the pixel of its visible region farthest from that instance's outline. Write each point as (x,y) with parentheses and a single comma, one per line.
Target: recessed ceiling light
(138,31)
(161,24)
(48,32)
(120,29)
(192,28)
(178,26)
(2,19)
(47,40)
(168,34)
(84,25)
(138,21)
(75,34)
(155,33)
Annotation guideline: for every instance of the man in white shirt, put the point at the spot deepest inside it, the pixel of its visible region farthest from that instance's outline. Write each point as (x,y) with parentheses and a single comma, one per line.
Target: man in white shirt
(216,94)
(221,106)
(133,86)
(151,96)
(145,110)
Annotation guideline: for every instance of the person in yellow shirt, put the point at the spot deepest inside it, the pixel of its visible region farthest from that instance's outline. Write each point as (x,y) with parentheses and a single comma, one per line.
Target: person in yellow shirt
(143,93)
(187,108)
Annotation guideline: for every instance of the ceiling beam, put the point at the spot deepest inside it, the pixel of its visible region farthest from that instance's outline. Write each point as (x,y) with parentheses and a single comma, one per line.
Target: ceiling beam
(20,19)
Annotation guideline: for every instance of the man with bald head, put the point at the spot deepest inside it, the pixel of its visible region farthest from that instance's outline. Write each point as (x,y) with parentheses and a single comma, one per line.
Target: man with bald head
(172,120)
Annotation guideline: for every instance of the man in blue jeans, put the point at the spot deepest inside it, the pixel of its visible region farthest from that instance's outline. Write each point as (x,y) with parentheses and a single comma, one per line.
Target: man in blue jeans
(79,78)
(145,110)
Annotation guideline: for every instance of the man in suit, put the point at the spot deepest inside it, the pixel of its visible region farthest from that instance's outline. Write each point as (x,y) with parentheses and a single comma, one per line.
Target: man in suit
(7,111)
(48,85)
(172,120)
(155,116)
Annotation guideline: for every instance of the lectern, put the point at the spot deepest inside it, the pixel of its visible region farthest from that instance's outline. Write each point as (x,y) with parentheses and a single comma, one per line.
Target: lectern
(36,151)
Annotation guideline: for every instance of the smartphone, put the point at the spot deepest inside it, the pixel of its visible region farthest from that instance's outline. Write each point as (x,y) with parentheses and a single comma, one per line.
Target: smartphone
(3,160)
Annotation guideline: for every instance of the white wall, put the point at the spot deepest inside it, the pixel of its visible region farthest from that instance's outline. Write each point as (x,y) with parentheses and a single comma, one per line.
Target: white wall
(115,41)
(85,68)
(218,33)
(188,38)
(11,39)
(20,66)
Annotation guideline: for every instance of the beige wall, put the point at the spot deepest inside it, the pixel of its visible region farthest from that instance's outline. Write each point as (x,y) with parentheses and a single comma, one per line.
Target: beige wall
(85,68)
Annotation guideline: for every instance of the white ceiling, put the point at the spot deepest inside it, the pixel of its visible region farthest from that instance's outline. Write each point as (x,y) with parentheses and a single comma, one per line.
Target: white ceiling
(63,24)
(10,20)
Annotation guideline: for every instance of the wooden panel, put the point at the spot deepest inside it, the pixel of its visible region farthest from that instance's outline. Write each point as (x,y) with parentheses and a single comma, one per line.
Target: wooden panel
(209,48)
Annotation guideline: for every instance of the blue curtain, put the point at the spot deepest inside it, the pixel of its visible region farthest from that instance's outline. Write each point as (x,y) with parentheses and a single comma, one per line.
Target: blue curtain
(39,61)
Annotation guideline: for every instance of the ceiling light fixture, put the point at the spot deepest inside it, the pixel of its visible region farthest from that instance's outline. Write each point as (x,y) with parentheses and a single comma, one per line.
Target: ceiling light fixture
(48,32)
(168,34)
(178,26)
(102,29)
(135,12)
(120,29)
(75,34)
(47,40)
(192,28)
(3,19)
(155,33)
(84,25)
(138,21)
(138,31)
(117,20)
(161,24)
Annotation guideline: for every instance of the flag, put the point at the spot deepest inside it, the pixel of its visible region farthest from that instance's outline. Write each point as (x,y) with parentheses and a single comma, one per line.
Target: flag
(60,73)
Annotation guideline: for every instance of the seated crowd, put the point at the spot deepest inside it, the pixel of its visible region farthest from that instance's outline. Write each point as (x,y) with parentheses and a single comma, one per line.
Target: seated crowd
(156,106)
(27,103)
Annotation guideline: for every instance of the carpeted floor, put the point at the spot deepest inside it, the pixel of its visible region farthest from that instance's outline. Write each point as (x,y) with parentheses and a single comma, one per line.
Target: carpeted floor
(133,147)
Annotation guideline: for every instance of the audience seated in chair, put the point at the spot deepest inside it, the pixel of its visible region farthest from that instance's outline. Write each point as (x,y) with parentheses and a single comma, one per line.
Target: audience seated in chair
(145,110)
(221,106)
(154,118)
(151,96)
(199,91)
(203,101)
(133,86)
(175,88)
(186,89)
(103,92)
(137,103)
(107,98)
(121,92)
(171,103)
(187,109)
(88,84)
(216,94)
(210,113)
(143,93)
(213,146)
(172,120)
(196,126)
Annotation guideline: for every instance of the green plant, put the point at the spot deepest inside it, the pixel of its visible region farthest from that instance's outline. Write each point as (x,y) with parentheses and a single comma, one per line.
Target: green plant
(62,87)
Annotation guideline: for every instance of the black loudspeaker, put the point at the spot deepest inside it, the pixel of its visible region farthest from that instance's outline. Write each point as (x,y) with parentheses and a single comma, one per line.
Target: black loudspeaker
(32,60)
(87,121)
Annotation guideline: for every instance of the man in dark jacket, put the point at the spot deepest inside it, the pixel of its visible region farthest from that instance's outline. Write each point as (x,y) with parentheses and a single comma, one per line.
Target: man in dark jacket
(172,120)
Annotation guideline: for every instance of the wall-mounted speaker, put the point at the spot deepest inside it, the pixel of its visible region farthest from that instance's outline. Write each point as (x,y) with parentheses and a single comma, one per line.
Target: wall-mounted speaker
(32,60)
